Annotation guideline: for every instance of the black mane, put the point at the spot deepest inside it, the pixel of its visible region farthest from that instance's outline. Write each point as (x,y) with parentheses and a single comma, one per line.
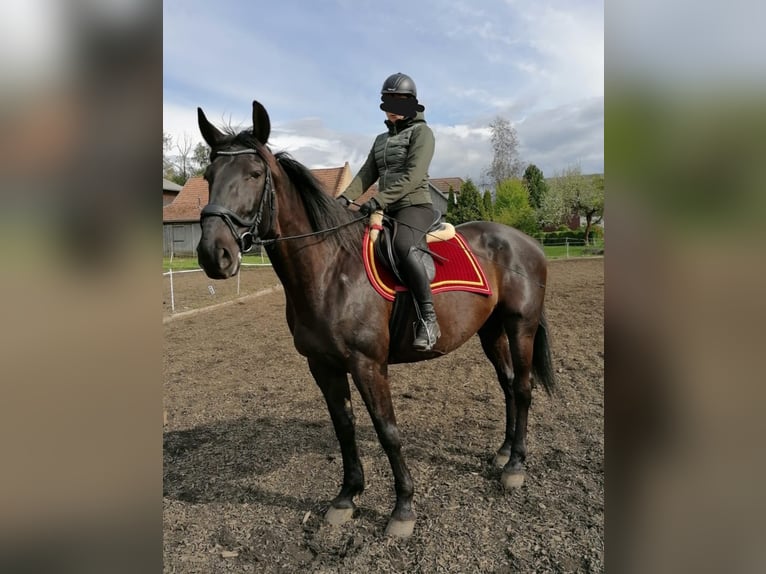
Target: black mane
(323,211)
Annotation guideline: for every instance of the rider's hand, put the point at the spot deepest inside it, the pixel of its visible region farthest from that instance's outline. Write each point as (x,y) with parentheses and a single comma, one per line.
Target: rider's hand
(369,207)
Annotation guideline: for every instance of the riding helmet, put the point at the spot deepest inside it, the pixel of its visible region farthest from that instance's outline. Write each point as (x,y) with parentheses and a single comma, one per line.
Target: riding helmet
(399,84)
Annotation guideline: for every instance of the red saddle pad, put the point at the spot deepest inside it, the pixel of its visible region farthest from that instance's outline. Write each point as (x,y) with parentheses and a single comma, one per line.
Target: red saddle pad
(459,269)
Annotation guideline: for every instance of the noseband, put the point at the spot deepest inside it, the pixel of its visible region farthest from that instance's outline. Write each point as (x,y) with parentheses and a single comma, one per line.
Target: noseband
(250,237)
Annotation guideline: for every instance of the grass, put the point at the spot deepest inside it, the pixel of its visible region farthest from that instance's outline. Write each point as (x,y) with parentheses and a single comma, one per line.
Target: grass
(186,263)
(560,251)
(551,252)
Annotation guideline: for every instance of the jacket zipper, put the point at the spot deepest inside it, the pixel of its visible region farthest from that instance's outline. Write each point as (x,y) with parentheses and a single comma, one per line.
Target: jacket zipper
(385,163)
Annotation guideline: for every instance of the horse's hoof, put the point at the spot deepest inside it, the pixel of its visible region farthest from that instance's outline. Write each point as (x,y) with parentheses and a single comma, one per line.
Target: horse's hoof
(400,528)
(513,479)
(501,460)
(337,516)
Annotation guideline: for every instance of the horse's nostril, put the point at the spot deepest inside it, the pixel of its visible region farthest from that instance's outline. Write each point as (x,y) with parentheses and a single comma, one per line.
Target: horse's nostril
(224,257)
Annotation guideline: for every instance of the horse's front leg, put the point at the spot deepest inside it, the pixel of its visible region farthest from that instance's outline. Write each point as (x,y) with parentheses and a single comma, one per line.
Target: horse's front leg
(334,385)
(371,378)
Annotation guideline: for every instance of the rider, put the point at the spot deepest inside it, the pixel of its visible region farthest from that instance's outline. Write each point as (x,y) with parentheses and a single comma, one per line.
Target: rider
(399,161)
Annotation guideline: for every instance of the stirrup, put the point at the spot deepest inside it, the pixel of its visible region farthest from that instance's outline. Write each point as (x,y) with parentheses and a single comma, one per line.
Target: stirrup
(432,335)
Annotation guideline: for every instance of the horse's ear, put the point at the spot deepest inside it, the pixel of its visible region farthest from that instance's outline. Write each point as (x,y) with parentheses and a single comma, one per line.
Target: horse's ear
(261,123)
(209,132)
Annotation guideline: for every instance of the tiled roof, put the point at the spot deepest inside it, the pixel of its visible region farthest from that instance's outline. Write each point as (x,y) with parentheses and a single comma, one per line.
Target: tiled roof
(194,195)
(168,185)
(333,179)
(367,195)
(189,201)
(443,184)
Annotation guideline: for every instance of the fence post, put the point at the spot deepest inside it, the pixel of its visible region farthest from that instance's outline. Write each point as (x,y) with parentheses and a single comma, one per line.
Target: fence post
(172,295)
(566,239)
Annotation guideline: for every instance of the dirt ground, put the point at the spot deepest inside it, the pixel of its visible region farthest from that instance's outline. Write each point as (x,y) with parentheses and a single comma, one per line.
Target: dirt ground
(251,461)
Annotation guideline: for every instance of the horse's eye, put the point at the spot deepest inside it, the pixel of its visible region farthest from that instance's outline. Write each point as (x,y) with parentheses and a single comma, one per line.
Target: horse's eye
(256,174)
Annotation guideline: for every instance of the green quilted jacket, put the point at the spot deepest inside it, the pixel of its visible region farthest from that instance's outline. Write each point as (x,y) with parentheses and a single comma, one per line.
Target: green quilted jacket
(398,161)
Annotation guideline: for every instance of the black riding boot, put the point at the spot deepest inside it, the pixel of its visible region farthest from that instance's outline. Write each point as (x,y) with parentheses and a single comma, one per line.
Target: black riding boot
(427,330)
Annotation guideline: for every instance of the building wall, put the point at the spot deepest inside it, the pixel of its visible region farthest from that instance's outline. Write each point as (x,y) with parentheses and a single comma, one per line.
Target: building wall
(180,239)
(345,179)
(439,201)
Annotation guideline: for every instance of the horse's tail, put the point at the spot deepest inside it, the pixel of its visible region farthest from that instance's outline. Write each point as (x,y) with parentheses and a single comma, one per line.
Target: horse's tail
(542,364)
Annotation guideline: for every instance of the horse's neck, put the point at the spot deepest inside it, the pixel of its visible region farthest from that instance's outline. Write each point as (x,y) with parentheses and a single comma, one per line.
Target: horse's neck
(300,263)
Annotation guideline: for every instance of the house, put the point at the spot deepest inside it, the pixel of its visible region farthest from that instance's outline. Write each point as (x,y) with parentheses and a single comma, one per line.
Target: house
(170,190)
(444,183)
(180,219)
(181,231)
(334,180)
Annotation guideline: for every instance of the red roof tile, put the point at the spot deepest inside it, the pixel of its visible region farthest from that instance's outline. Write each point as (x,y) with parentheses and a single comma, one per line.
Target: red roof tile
(189,201)
(333,179)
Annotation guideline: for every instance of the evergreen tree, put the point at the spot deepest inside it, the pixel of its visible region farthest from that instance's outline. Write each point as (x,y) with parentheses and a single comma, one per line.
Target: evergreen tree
(469,207)
(450,204)
(536,185)
(488,209)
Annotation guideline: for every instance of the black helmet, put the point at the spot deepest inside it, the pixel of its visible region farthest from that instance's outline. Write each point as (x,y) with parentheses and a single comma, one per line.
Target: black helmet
(399,84)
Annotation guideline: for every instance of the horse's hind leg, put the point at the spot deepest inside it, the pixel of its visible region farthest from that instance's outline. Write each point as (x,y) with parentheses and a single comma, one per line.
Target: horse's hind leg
(521,337)
(334,385)
(495,344)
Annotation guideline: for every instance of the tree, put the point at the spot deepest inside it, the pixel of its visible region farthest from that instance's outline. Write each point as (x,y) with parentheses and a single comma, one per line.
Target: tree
(487,201)
(451,205)
(512,207)
(469,206)
(200,158)
(189,161)
(168,169)
(571,193)
(506,163)
(591,203)
(183,165)
(535,183)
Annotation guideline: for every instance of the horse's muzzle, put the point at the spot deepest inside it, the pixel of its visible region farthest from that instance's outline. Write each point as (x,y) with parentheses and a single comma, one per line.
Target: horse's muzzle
(220,259)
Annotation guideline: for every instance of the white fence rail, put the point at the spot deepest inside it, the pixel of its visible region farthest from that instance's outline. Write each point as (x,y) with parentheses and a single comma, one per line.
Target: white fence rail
(572,247)
(205,291)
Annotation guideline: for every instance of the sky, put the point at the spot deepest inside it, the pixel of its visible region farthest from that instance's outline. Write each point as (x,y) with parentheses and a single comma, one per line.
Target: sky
(318,68)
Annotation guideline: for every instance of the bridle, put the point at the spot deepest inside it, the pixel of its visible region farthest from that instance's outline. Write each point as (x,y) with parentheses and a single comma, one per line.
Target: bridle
(247,239)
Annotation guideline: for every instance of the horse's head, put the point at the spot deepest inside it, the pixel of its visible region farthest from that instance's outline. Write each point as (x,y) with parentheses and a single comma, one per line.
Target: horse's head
(241,194)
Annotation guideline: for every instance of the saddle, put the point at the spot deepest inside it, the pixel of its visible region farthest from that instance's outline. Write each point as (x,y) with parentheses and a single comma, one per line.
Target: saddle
(383,233)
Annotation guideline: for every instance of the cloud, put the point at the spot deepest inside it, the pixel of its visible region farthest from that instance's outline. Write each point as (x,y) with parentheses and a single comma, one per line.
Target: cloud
(552,139)
(539,64)
(567,135)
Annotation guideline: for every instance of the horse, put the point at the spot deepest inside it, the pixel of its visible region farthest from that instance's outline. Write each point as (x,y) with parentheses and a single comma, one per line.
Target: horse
(341,325)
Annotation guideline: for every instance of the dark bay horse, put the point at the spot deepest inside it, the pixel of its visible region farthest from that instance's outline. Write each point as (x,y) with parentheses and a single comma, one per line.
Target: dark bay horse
(340,324)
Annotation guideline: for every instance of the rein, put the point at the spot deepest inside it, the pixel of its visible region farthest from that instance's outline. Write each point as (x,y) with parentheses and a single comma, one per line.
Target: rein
(251,237)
